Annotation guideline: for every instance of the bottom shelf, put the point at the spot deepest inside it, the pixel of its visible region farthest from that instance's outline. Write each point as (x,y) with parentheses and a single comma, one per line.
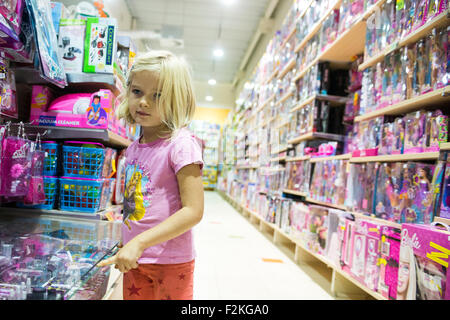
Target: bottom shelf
(342,284)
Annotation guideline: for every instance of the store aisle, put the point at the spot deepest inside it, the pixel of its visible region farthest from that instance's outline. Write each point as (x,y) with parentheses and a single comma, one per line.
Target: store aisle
(230,261)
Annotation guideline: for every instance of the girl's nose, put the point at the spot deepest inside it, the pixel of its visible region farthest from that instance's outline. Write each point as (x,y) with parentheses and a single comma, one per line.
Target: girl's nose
(143,103)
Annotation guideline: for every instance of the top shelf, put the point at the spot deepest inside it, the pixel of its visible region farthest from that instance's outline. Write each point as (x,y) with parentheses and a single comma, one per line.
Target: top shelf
(440,21)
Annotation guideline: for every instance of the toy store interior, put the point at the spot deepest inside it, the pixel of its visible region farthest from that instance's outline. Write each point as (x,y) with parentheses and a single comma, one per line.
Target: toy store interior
(323,126)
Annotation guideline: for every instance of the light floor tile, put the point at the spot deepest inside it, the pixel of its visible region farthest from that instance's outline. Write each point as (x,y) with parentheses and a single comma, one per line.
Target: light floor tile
(229,263)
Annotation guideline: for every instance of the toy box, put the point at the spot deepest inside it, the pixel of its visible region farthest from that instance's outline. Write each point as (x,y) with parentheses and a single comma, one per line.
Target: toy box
(316,232)
(72,110)
(347,244)
(424,259)
(71,44)
(336,223)
(365,253)
(388,261)
(100,45)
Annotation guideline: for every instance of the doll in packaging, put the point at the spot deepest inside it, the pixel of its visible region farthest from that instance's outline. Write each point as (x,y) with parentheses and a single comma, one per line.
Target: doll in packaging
(399,136)
(387,139)
(415,135)
(445,197)
(436,130)
(410,9)
(439,47)
(398,78)
(409,61)
(387,196)
(386,92)
(420,15)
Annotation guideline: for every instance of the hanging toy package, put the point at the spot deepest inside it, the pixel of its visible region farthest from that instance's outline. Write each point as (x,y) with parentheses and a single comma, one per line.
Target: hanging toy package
(36,194)
(8,105)
(16,165)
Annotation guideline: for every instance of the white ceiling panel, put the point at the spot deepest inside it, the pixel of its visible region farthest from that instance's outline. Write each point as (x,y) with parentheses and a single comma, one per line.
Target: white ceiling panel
(204,23)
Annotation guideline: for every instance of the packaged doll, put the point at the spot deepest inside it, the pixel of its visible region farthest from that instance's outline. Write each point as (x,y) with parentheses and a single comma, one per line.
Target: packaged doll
(439,47)
(387,195)
(398,78)
(445,197)
(420,15)
(399,136)
(421,194)
(415,135)
(409,61)
(378,74)
(386,92)
(436,130)
(387,139)
(410,9)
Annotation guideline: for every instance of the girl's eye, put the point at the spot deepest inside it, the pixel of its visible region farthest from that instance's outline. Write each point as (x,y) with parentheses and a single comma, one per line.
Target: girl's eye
(136,91)
(156,96)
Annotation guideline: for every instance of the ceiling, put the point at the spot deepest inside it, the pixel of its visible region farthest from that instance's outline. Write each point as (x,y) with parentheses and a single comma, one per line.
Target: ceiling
(201,25)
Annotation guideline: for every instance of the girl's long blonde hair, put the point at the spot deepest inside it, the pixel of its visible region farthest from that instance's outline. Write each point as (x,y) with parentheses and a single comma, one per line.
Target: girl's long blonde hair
(176,104)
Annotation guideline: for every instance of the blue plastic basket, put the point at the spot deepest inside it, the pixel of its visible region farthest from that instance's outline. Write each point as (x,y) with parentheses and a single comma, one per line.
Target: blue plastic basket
(80,194)
(83,162)
(51,193)
(51,158)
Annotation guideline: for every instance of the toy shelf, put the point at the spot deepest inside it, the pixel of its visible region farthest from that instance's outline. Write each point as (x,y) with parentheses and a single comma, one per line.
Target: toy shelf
(317,26)
(383,221)
(265,103)
(445,146)
(326,204)
(273,75)
(346,156)
(436,97)
(256,166)
(397,157)
(59,213)
(334,100)
(287,68)
(279,150)
(303,103)
(284,98)
(295,193)
(300,158)
(278,159)
(63,133)
(341,283)
(316,135)
(440,21)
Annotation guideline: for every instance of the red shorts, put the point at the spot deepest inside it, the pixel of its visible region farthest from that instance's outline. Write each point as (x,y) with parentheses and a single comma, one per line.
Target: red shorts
(160,282)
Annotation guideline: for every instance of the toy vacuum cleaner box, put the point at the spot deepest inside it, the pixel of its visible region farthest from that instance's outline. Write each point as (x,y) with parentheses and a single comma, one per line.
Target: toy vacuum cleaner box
(100,45)
(424,259)
(71,44)
(76,110)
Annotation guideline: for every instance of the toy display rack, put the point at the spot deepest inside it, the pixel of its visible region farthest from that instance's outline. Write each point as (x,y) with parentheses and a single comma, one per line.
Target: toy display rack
(342,285)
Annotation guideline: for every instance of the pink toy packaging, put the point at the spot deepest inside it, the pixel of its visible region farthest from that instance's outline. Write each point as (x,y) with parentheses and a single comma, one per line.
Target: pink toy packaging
(439,77)
(424,260)
(420,15)
(399,136)
(415,133)
(8,103)
(79,110)
(436,7)
(389,261)
(336,222)
(12,11)
(316,234)
(347,245)
(436,130)
(365,253)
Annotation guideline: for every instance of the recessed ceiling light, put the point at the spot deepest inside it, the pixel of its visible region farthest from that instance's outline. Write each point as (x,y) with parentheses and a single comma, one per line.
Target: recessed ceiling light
(212,82)
(228,2)
(209,98)
(218,52)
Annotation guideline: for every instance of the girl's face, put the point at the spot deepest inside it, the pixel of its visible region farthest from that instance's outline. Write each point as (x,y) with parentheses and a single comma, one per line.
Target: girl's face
(142,99)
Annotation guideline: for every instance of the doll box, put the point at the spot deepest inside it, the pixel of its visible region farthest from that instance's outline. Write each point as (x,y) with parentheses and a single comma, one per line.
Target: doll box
(365,153)
(424,262)
(94,116)
(388,261)
(100,45)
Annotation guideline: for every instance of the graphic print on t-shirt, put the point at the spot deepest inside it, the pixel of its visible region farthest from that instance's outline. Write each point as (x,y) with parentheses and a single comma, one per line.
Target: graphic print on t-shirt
(136,195)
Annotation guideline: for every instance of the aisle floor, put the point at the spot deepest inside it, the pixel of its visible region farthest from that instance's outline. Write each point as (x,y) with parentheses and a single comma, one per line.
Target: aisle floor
(236,261)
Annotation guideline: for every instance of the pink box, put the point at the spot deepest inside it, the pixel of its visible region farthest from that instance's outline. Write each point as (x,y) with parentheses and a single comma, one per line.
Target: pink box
(389,258)
(365,153)
(364,266)
(424,261)
(347,246)
(70,110)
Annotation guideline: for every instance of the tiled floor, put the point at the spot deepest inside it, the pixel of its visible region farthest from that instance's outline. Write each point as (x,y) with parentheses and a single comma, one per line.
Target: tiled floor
(230,265)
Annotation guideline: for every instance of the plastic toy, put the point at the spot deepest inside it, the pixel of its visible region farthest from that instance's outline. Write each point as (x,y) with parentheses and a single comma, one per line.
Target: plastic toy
(415,133)
(71,44)
(80,110)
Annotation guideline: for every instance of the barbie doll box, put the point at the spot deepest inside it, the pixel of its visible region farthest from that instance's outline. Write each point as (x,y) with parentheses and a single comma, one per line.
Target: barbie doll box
(424,262)
(76,110)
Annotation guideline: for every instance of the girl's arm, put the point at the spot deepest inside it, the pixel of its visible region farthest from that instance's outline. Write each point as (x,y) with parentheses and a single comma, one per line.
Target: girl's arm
(192,198)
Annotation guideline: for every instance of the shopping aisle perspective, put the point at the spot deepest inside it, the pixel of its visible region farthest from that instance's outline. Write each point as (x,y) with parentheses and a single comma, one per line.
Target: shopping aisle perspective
(235,261)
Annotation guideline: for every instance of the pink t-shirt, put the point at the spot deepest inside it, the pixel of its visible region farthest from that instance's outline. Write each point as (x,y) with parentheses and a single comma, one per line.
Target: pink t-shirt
(152,193)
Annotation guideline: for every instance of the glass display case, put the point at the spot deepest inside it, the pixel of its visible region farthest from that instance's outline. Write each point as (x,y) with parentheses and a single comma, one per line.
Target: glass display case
(46,257)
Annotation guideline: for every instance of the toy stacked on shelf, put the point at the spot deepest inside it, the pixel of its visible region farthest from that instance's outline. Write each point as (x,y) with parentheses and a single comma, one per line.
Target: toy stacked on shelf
(210,134)
(401,67)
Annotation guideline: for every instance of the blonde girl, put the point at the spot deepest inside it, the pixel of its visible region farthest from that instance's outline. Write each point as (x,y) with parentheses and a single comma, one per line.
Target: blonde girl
(157,257)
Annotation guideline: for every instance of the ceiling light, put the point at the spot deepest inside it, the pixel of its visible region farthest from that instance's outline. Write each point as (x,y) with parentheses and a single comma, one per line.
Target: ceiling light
(228,2)
(209,98)
(218,53)
(212,82)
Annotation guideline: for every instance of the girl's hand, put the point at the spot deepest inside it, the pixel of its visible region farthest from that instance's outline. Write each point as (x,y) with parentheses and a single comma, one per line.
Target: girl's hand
(126,258)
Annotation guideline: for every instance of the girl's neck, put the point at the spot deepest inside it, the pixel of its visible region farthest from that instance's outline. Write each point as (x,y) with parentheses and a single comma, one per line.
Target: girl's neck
(151,134)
